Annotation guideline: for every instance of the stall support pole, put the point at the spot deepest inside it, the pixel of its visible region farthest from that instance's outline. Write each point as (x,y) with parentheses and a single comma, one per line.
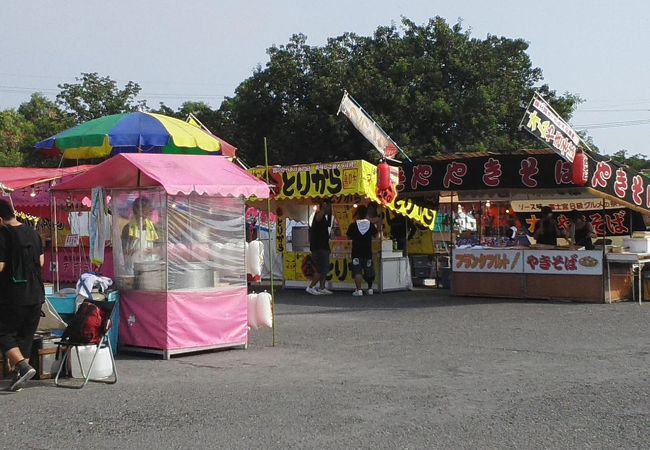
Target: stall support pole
(268,214)
(55,242)
(608,287)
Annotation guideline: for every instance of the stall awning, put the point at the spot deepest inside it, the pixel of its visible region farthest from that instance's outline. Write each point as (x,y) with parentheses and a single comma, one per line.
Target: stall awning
(338,179)
(177,174)
(22,177)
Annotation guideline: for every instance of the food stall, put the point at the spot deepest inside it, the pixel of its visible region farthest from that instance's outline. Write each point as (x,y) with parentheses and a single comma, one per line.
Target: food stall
(32,202)
(178,237)
(506,193)
(346,184)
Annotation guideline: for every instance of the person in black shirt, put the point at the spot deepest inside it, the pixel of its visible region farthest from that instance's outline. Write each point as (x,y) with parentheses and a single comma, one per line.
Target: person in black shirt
(581,231)
(21,292)
(361,232)
(547,231)
(319,245)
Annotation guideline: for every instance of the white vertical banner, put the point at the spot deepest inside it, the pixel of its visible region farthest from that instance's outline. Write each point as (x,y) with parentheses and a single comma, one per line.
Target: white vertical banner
(368,127)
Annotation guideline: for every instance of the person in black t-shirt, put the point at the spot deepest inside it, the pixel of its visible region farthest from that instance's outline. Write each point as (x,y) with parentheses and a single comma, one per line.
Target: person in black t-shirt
(546,231)
(361,232)
(319,244)
(21,292)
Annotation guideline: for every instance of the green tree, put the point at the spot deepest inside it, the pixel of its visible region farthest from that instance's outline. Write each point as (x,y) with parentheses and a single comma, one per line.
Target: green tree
(47,120)
(636,162)
(433,87)
(94,96)
(15,132)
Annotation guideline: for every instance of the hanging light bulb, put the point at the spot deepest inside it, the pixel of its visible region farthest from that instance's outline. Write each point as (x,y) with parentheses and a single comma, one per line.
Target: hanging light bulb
(355,206)
(33,193)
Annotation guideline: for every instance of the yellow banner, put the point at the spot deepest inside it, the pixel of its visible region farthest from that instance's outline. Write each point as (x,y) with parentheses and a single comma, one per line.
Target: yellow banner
(345,178)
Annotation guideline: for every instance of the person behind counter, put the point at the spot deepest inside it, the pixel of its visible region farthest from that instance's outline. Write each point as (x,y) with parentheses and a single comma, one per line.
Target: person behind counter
(139,236)
(361,232)
(319,245)
(546,230)
(581,231)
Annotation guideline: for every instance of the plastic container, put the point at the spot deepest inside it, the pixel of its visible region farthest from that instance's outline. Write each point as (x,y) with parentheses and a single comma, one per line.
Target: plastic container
(63,304)
(637,245)
(102,367)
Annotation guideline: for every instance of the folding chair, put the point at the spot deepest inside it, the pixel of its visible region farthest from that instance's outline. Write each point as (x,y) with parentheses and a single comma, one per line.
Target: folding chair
(68,345)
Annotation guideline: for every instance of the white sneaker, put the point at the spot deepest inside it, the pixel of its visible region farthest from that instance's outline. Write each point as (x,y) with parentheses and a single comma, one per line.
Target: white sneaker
(325,291)
(370,291)
(312,291)
(357,293)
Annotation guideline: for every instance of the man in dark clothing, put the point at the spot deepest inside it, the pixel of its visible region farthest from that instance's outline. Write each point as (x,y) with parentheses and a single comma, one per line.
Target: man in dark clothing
(361,232)
(547,231)
(319,244)
(21,292)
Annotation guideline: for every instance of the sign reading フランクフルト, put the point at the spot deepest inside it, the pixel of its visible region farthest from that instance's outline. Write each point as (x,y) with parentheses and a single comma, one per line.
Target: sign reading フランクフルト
(522,172)
(543,122)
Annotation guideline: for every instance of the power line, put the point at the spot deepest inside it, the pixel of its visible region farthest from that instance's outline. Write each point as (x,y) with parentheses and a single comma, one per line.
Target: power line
(613,110)
(628,123)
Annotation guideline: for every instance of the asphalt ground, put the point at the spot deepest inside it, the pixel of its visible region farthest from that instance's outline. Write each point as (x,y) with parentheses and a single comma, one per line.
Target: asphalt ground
(403,370)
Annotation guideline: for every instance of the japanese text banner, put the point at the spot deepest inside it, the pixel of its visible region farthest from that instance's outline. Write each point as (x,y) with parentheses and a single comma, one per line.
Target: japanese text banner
(340,179)
(366,126)
(542,122)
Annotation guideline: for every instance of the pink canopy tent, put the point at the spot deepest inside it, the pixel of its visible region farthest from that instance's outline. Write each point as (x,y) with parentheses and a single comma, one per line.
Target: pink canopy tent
(185,174)
(172,314)
(23,179)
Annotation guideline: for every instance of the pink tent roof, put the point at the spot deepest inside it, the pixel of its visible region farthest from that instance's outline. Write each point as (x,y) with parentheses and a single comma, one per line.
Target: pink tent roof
(20,177)
(205,175)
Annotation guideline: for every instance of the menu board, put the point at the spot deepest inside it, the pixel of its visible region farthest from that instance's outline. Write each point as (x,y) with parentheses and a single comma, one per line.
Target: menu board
(553,262)
(562,262)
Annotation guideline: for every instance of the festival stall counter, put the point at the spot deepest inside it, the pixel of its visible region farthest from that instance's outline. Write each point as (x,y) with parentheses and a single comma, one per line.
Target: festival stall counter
(178,233)
(495,264)
(346,184)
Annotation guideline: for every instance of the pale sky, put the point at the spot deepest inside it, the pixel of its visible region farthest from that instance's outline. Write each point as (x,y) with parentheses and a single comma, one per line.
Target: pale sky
(201,49)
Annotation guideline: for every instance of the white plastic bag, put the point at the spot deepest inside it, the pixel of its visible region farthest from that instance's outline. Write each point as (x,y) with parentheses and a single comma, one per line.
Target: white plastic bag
(264,310)
(252,311)
(255,257)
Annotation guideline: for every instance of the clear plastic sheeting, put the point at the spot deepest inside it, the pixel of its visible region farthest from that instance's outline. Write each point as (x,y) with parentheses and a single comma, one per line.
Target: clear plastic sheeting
(139,239)
(206,243)
(178,243)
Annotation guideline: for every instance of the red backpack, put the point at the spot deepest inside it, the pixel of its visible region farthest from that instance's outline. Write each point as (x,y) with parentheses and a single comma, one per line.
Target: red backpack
(87,326)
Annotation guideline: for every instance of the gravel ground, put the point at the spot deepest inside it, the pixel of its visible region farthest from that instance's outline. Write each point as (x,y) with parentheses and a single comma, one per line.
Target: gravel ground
(401,370)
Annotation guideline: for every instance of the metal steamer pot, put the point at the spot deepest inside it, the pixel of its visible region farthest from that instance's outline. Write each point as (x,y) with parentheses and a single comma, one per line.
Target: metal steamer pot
(191,275)
(150,275)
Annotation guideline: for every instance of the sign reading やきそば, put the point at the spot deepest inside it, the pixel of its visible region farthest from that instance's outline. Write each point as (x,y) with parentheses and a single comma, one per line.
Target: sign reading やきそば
(562,262)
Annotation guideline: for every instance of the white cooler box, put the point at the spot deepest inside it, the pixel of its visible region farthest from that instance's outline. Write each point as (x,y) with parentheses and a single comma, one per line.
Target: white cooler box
(637,245)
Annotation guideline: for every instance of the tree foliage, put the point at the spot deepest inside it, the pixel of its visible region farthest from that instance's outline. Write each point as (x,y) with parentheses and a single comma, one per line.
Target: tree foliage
(94,96)
(434,88)
(637,162)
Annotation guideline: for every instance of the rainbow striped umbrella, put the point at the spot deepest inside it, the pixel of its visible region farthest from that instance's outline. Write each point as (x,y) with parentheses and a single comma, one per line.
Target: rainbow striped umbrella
(135,132)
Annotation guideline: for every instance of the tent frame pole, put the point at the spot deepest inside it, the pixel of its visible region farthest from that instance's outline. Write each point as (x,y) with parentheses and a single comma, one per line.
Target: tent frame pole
(268,215)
